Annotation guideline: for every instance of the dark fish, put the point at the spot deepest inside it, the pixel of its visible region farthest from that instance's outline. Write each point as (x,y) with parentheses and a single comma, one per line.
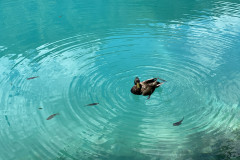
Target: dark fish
(6,117)
(92,104)
(53,115)
(40,108)
(178,123)
(32,77)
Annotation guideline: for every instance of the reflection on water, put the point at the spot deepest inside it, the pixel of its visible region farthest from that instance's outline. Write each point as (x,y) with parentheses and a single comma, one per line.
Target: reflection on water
(90,52)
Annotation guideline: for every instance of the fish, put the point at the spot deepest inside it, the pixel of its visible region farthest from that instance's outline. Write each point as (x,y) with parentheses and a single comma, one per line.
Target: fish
(178,123)
(6,117)
(32,77)
(53,115)
(92,104)
(40,108)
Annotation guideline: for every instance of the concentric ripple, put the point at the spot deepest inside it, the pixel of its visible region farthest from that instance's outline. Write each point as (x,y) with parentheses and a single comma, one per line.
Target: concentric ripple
(60,75)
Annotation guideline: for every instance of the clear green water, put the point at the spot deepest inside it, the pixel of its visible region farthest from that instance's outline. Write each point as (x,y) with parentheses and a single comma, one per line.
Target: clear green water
(91,51)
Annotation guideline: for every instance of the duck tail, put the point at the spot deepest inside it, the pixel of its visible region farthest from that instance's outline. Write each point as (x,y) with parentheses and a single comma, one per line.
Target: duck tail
(159,84)
(161,79)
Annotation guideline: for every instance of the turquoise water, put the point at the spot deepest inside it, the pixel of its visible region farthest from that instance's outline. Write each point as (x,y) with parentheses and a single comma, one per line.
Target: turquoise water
(90,52)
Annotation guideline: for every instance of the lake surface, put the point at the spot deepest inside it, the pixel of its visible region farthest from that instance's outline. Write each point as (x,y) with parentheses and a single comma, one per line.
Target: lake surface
(83,52)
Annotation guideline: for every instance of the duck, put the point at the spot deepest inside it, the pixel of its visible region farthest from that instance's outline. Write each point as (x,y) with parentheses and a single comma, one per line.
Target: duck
(147,87)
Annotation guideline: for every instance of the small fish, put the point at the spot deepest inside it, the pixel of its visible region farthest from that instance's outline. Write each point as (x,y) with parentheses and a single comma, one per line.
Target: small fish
(32,77)
(92,104)
(60,16)
(178,123)
(6,117)
(40,108)
(53,115)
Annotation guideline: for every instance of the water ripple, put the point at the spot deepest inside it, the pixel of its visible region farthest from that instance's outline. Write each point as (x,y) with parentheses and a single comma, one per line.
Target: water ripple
(89,67)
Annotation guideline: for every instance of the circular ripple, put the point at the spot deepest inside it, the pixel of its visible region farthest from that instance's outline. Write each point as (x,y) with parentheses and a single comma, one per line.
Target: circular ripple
(84,69)
(77,71)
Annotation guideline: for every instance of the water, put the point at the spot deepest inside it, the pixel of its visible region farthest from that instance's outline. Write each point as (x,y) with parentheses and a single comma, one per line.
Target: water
(90,52)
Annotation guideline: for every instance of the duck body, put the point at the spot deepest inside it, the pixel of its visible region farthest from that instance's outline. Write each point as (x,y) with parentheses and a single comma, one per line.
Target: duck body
(145,88)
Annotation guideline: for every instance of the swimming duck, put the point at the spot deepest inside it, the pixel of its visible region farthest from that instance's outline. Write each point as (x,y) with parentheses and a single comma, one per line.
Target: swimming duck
(145,88)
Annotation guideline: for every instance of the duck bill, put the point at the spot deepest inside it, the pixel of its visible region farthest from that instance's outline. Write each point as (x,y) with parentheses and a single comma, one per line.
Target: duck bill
(138,85)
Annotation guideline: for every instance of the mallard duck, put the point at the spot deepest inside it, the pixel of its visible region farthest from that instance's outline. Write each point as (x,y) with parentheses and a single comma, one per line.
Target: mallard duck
(145,88)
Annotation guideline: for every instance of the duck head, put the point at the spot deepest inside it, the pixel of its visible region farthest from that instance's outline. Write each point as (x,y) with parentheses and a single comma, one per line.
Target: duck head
(137,82)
